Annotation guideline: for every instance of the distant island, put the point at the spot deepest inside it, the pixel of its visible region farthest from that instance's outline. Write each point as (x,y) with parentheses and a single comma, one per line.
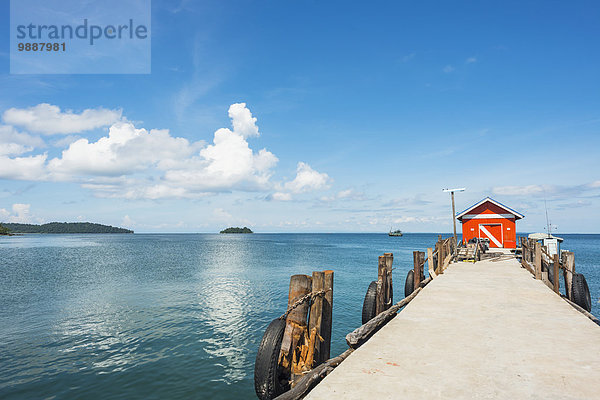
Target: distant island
(4,230)
(237,230)
(61,227)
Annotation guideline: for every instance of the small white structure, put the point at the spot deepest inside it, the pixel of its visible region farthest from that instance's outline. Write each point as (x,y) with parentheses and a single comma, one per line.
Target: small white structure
(551,242)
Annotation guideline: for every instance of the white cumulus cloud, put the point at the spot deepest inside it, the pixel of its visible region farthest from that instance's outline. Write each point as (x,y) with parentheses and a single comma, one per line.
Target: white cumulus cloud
(13,142)
(307,179)
(48,119)
(243,122)
(125,150)
(31,168)
(280,196)
(20,214)
(136,163)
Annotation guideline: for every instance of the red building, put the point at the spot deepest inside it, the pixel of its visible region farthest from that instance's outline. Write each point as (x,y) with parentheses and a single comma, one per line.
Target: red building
(490,219)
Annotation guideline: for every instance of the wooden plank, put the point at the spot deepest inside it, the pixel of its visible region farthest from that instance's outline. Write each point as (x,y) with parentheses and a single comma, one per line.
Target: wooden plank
(538,260)
(430,262)
(556,272)
(327,316)
(527,266)
(583,311)
(295,327)
(446,262)
(545,251)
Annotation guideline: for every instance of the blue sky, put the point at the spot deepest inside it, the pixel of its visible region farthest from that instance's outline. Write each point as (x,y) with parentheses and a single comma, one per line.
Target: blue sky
(365,111)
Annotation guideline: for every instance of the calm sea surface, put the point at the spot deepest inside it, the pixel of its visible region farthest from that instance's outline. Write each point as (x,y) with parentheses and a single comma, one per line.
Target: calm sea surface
(177,316)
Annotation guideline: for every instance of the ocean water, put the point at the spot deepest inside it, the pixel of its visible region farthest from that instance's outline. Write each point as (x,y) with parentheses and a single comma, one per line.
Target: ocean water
(178,316)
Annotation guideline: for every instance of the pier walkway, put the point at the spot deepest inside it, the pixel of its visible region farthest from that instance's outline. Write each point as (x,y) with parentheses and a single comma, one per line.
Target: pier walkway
(485,330)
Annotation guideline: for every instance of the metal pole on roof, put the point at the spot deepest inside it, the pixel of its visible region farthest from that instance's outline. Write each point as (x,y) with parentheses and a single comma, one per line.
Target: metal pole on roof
(453,209)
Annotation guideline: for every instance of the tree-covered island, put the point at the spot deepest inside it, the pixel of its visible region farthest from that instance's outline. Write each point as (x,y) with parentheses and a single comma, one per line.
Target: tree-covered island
(237,230)
(4,230)
(62,227)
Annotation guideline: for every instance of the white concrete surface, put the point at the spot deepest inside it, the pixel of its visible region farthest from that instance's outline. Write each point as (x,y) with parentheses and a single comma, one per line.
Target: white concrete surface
(483,330)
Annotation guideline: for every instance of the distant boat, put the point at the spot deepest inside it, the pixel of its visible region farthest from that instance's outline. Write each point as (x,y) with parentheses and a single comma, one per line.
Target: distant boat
(397,232)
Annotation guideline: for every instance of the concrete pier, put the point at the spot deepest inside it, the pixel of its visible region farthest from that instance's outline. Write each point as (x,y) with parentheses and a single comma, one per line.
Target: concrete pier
(485,330)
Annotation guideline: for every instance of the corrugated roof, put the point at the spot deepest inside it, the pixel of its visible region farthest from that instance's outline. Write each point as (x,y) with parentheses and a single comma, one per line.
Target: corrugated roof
(510,210)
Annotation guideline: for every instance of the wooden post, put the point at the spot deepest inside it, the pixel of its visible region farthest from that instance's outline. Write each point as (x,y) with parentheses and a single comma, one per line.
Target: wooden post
(569,270)
(389,294)
(417,269)
(295,327)
(327,319)
(556,272)
(538,260)
(315,322)
(381,285)
(440,257)
(430,262)
(453,223)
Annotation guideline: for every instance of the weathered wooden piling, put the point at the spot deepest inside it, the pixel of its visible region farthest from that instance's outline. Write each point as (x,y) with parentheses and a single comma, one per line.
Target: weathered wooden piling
(569,270)
(315,321)
(295,329)
(389,289)
(326,319)
(306,341)
(418,261)
(538,260)
(556,280)
(440,256)
(320,320)
(382,285)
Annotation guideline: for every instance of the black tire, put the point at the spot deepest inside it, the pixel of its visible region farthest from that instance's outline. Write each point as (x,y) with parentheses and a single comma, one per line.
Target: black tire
(409,285)
(370,302)
(581,292)
(267,374)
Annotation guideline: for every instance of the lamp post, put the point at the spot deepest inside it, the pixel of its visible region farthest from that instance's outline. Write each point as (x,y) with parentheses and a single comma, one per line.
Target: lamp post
(453,209)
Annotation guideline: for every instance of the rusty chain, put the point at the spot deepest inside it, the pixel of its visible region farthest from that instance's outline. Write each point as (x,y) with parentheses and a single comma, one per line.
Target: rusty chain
(309,296)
